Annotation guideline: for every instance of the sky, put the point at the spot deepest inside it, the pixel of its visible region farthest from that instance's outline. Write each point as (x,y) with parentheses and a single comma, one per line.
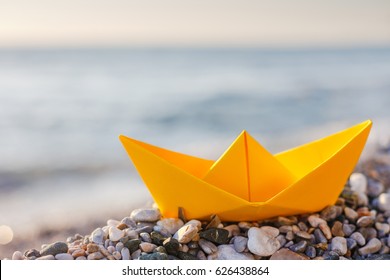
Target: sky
(242,23)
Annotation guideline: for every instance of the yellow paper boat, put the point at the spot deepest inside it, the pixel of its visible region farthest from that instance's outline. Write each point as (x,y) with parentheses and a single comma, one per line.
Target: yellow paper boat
(248,183)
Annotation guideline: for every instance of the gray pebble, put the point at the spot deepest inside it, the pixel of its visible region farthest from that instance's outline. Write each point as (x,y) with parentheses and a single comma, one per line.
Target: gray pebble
(240,243)
(154,256)
(310,252)
(46,257)
(339,245)
(373,246)
(17,255)
(299,247)
(172,225)
(319,236)
(351,243)
(125,253)
(207,246)
(348,229)
(282,240)
(145,237)
(384,202)
(54,249)
(227,252)
(64,257)
(375,188)
(359,238)
(97,236)
(145,215)
(351,214)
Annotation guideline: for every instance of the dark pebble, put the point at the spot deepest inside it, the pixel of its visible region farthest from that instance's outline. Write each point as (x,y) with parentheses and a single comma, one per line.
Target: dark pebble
(348,229)
(157,238)
(171,245)
(311,252)
(154,256)
(351,243)
(216,235)
(337,229)
(320,237)
(32,253)
(300,247)
(186,256)
(330,255)
(132,245)
(54,249)
(193,245)
(160,249)
(331,212)
(147,229)
(379,257)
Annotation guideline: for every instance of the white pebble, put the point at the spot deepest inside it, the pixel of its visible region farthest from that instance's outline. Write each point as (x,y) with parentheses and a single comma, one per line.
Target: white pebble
(115,234)
(97,236)
(171,224)
(17,255)
(227,252)
(263,242)
(186,233)
(358,182)
(384,202)
(339,245)
(64,257)
(145,215)
(125,253)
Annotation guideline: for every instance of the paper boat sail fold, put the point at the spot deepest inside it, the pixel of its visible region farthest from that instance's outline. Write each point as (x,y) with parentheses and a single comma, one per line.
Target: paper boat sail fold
(247,182)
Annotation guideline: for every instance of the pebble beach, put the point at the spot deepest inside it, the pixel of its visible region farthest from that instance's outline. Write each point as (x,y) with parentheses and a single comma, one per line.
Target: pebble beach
(357,227)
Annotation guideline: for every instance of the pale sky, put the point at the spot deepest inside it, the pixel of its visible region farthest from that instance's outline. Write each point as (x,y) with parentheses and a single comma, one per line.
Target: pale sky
(242,23)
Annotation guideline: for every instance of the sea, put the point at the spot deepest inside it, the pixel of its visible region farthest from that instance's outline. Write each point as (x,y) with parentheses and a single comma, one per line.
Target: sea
(62,110)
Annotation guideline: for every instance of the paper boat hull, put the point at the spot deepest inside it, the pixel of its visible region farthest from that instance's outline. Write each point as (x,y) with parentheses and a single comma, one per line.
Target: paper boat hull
(323,167)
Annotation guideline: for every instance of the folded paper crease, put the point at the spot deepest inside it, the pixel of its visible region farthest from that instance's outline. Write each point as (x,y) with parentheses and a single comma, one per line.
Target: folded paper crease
(247,182)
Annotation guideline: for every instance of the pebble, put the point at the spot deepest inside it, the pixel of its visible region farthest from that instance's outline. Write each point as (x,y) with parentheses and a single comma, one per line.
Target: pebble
(78,253)
(81,258)
(215,235)
(136,254)
(147,247)
(154,256)
(186,256)
(319,236)
(115,234)
(348,229)
(331,212)
(171,245)
(227,252)
(54,249)
(358,182)
(133,245)
(157,238)
(384,202)
(368,232)
(262,241)
(359,238)
(172,225)
(365,221)
(46,258)
(64,257)
(240,243)
(233,230)
(351,243)
(17,255)
(337,229)
(311,252)
(207,246)
(145,237)
(286,254)
(375,188)
(125,252)
(383,228)
(303,235)
(331,255)
(131,233)
(373,246)
(339,245)
(119,246)
(145,215)
(92,248)
(32,253)
(351,214)
(326,231)
(362,199)
(95,256)
(97,236)
(315,221)
(299,247)
(186,233)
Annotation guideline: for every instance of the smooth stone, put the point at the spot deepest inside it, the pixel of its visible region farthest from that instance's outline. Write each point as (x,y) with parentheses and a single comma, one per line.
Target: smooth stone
(95,256)
(147,247)
(195,223)
(302,226)
(311,252)
(315,221)
(373,246)
(125,252)
(286,254)
(290,236)
(384,202)
(358,182)
(337,229)
(216,235)
(359,238)
(131,233)
(133,245)
(348,229)
(97,236)
(46,258)
(92,248)
(171,245)
(284,221)
(193,245)
(117,255)
(145,215)
(245,225)
(207,246)
(64,257)
(201,255)
(144,228)
(368,232)
(154,256)
(233,230)
(262,241)
(32,253)
(119,246)
(81,258)
(285,229)
(227,252)
(145,237)
(303,235)
(240,243)
(383,228)
(171,224)
(186,233)
(351,243)
(78,253)
(183,248)
(282,240)
(157,238)
(331,212)
(375,188)
(17,255)
(299,247)
(362,199)
(129,222)
(339,245)
(331,255)
(365,221)
(54,249)
(326,231)
(351,214)
(319,236)
(115,234)
(186,256)
(113,223)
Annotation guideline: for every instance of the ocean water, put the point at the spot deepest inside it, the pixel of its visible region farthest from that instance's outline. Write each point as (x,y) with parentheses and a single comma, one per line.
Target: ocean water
(61,112)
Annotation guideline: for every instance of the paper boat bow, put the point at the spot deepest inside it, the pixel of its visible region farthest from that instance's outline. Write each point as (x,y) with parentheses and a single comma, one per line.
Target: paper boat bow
(247,182)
